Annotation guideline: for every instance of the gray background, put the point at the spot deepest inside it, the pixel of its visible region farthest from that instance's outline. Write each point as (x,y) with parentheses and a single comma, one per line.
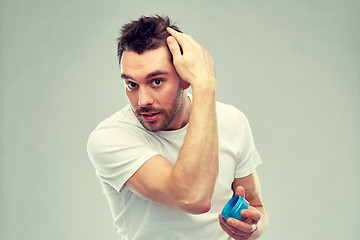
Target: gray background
(291,66)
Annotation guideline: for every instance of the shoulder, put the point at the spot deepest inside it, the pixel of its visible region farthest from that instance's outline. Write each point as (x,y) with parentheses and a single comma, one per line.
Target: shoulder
(119,129)
(228,112)
(122,120)
(123,116)
(232,122)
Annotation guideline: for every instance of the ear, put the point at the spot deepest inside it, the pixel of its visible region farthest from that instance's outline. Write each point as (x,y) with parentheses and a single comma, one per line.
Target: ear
(185,85)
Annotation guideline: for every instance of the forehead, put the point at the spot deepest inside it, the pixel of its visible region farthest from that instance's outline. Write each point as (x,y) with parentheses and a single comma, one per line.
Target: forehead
(138,65)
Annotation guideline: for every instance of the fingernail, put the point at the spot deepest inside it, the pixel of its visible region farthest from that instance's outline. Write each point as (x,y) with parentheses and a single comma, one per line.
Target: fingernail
(231,221)
(253,227)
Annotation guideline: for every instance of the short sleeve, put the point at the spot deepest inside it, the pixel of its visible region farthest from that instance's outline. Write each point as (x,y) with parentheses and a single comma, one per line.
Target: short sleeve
(117,152)
(248,157)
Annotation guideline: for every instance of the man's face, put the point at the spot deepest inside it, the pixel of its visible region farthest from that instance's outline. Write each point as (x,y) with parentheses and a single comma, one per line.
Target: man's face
(153,88)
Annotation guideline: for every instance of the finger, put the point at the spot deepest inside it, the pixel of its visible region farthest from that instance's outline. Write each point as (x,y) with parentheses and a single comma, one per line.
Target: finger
(231,231)
(175,34)
(225,228)
(185,41)
(240,190)
(251,213)
(253,227)
(237,226)
(174,48)
(231,234)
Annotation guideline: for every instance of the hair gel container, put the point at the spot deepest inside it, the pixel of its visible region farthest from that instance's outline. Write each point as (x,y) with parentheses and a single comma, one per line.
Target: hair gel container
(234,206)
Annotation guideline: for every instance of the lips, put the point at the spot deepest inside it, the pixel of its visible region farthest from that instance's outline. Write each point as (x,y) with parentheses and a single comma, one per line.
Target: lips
(150,117)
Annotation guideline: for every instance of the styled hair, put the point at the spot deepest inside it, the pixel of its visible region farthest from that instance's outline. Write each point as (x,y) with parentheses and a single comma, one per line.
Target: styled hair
(143,34)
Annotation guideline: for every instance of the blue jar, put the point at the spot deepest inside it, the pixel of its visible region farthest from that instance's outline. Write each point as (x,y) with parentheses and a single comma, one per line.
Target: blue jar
(234,206)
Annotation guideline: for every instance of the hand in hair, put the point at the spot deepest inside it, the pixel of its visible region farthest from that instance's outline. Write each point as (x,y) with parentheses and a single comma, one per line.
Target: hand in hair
(194,65)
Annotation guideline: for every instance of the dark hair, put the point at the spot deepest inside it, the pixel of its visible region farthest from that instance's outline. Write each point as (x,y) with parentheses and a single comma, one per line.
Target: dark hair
(143,34)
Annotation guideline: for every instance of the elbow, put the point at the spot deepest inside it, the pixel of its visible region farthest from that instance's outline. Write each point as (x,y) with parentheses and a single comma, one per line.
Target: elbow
(196,207)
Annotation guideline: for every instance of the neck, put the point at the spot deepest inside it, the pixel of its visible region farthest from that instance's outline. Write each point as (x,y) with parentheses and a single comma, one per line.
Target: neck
(183,116)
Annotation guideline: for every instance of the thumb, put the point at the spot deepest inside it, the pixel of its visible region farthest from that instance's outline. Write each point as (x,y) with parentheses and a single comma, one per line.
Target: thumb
(174,48)
(240,191)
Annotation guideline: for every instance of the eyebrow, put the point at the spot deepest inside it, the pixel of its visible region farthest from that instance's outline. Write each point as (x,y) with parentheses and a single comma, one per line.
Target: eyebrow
(150,75)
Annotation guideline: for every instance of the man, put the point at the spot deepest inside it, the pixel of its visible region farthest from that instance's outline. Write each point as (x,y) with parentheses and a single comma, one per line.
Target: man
(169,161)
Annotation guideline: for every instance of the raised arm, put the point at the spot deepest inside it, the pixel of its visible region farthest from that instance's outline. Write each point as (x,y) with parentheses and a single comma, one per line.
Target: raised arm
(189,184)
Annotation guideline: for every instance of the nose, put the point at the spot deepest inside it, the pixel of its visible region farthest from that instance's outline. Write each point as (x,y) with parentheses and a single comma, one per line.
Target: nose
(145,97)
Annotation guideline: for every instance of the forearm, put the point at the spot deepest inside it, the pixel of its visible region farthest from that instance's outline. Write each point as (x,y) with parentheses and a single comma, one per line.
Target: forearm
(262,224)
(195,172)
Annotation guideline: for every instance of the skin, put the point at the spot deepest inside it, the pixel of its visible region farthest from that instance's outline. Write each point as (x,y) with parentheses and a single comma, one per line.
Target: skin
(254,221)
(156,90)
(185,185)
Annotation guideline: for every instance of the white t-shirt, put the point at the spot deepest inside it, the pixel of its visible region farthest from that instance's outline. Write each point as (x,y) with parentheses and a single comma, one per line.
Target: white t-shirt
(120,145)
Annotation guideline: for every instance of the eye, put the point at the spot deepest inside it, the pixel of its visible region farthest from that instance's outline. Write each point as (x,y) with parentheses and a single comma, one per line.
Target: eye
(131,85)
(156,82)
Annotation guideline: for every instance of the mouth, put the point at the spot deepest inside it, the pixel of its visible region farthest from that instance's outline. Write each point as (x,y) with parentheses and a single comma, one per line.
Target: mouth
(150,117)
